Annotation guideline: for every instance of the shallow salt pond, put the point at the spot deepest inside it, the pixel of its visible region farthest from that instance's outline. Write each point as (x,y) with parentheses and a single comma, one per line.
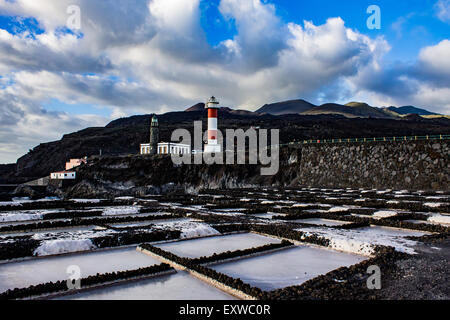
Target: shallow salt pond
(228,211)
(35,271)
(428,222)
(25,223)
(268,215)
(147,223)
(179,286)
(121,210)
(393,232)
(320,221)
(208,246)
(25,215)
(288,267)
(361,240)
(422,222)
(49,231)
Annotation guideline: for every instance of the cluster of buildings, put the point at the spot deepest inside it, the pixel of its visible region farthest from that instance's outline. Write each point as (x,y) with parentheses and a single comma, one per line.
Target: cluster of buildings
(157,147)
(68,174)
(212,146)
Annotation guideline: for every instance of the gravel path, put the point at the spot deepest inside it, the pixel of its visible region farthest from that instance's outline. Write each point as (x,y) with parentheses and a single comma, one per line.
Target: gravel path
(424,276)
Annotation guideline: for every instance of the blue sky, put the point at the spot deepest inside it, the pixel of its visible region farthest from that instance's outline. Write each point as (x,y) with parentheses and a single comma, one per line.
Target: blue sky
(143,56)
(416,21)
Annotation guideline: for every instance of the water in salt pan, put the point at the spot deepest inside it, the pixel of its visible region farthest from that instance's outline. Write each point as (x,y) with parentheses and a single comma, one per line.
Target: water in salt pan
(55,232)
(189,228)
(15,217)
(25,223)
(179,286)
(361,240)
(208,246)
(87,200)
(268,215)
(25,215)
(287,267)
(392,232)
(146,223)
(35,271)
(228,211)
(421,222)
(172,221)
(322,222)
(121,210)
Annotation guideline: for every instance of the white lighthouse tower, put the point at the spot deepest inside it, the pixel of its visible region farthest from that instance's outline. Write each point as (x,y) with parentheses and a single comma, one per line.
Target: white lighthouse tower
(213,110)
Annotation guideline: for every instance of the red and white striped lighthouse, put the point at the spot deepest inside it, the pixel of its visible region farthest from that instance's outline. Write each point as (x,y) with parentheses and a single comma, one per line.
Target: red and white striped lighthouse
(213,110)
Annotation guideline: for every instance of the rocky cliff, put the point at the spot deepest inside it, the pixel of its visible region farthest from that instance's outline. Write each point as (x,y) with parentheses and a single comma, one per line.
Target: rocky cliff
(413,165)
(123,136)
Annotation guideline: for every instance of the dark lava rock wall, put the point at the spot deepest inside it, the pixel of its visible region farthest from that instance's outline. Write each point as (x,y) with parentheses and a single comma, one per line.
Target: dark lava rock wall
(413,165)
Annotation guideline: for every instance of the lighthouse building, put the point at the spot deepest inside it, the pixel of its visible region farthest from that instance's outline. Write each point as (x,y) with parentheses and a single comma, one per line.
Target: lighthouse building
(213,145)
(154,147)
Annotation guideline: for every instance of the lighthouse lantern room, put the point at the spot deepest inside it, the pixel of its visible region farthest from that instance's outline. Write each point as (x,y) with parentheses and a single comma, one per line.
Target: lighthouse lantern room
(213,110)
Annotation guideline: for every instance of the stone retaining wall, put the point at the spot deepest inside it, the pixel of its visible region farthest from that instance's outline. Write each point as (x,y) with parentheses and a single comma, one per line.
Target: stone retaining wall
(412,165)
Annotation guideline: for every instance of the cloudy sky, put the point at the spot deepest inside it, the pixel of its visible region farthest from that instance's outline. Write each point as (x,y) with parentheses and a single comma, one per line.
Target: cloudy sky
(144,56)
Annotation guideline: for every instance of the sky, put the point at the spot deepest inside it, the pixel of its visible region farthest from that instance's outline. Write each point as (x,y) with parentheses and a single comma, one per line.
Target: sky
(70,64)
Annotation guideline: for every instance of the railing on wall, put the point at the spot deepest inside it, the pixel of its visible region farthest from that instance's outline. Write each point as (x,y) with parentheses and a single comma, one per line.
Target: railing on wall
(361,140)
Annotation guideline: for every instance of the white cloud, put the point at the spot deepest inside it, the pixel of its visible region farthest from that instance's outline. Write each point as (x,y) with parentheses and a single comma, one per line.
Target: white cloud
(260,37)
(424,83)
(434,62)
(443,10)
(24,124)
(143,56)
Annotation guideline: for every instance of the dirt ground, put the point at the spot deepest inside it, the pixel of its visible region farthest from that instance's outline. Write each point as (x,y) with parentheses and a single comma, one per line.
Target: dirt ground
(424,276)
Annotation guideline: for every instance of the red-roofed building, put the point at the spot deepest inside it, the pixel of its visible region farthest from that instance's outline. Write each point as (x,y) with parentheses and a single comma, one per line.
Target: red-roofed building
(73,163)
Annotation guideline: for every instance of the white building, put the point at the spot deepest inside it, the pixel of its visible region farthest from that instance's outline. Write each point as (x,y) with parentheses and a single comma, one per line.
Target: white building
(63,175)
(145,148)
(173,148)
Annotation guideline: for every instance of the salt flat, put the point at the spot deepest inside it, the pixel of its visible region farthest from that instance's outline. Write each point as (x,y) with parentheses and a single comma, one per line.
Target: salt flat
(35,271)
(320,221)
(288,267)
(208,246)
(179,286)
(361,240)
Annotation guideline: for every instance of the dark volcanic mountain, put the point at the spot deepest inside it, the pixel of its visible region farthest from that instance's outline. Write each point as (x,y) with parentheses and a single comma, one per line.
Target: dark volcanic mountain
(350,110)
(123,136)
(198,107)
(286,107)
(411,110)
(201,107)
